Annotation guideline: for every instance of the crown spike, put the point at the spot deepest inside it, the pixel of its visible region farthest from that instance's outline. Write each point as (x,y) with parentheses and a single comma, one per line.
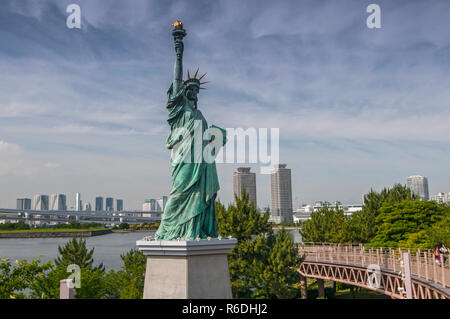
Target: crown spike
(195,75)
(204,82)
(201,77)
(203,88)
(189,76)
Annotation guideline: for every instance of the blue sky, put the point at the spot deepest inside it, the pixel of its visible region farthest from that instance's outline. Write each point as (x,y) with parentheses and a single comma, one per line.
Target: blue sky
(84,110)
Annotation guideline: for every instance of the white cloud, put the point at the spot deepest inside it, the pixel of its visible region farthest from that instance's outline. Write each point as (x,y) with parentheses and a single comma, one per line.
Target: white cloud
(8,149)
(13,161)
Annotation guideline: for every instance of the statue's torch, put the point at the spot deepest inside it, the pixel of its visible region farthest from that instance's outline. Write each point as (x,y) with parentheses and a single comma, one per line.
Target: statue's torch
(178,34)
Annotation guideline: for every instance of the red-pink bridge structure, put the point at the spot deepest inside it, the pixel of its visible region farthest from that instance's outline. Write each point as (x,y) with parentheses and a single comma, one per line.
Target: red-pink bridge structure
(396,272)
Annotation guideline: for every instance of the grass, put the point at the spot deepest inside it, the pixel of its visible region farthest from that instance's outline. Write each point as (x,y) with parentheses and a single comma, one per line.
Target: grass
(344,293)
(43,230)
(362,294)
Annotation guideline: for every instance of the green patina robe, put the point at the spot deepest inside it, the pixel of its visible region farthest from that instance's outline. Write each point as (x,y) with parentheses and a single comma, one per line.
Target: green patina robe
(190,210)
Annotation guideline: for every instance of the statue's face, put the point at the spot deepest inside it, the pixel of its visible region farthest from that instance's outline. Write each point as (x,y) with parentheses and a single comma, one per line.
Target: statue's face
(191,93)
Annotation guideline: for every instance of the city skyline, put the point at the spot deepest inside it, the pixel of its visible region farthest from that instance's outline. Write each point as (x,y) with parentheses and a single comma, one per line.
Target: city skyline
(145,204)
(58,201)
(357,108)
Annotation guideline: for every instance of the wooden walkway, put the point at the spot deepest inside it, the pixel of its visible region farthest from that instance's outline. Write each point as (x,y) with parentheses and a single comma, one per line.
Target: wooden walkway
(398,273)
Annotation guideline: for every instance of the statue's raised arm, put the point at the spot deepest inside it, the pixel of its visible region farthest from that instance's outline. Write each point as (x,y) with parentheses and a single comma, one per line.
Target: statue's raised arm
(178,34)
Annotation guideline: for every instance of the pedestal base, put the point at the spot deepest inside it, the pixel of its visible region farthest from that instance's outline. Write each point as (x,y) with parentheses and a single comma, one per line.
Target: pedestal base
(194,269)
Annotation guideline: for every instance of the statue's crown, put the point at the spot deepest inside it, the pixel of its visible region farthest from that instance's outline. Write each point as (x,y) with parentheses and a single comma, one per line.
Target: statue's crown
(194,81)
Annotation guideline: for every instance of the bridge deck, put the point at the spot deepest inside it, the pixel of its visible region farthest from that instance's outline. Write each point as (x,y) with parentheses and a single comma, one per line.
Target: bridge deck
(355,264)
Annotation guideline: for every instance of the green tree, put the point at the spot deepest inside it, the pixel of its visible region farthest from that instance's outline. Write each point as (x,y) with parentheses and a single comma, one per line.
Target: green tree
(327,224)
(127,283)
(261,265)
(409,222)
(76,252)
(277,270)
(438,232)
(47,285)
(16,278)
(363,225)
(242,220)
(124,226)
(92,279)
(14,226)
(43,280)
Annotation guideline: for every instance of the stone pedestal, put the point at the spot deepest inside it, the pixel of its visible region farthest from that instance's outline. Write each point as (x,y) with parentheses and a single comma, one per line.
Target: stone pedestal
(193,269)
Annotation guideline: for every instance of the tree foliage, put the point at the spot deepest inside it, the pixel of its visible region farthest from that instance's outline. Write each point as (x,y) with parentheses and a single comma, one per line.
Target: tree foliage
(124,226)
(16,277)
(412,224)
(76,252)
(262,264)
(242,220)
(95,283)
(327,225)
(363,224)
(14,226)
(127,283)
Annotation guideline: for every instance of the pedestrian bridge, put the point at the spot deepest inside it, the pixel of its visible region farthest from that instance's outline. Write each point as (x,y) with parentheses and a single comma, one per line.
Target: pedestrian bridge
(398,273)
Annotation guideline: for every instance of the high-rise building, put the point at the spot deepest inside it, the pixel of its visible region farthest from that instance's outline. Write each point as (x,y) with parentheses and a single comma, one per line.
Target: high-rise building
(40,202)
(58,202)
(87,207)
(244,179)
(23,203)
(109,204)
(161,203)
(98,203)
(418,186)
(119,205)
(281,194)
(149,205)
(78,206)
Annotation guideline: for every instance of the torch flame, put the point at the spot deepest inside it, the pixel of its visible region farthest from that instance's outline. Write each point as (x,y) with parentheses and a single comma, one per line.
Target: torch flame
(177,24)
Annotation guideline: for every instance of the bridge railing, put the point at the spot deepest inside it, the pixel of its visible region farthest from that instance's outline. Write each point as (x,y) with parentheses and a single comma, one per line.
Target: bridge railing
(423,264)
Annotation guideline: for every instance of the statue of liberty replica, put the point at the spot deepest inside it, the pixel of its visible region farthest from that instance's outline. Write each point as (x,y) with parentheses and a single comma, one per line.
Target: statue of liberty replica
(186,259)
(190,210)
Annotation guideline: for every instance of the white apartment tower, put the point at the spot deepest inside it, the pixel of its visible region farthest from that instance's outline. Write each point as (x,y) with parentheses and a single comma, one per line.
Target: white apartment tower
(281,194)
(419,186)
(78,202)
(244,179)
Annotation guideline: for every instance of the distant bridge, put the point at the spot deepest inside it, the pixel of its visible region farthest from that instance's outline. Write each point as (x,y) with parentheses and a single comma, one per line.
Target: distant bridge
(392,271)
(63,216)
